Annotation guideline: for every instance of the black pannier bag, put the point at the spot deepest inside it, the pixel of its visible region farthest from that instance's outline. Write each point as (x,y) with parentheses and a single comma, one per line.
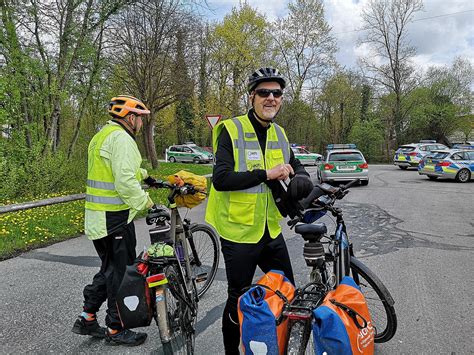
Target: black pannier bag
(134,299)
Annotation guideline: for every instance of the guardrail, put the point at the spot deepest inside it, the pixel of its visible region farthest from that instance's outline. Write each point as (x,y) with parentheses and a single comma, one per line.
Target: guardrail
(41,203)
(52,201)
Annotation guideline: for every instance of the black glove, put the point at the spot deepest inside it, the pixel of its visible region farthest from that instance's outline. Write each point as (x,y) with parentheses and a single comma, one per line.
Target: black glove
(152,182)
(300,187)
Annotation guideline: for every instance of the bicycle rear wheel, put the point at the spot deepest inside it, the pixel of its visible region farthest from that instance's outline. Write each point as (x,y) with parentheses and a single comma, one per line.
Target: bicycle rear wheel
(300,341)
(203,246)
(180,315)
(379,301)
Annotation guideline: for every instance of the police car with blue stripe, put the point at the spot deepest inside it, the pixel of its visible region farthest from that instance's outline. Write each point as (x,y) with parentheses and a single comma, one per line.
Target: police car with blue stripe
(410,155)
(451,164)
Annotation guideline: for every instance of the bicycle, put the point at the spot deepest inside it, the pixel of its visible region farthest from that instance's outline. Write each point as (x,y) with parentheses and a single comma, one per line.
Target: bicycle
(178,279)
(329,266)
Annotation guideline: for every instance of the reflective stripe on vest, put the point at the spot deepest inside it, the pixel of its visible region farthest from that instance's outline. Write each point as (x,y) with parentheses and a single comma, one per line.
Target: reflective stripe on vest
(241,215)
(100,184)
(104,200)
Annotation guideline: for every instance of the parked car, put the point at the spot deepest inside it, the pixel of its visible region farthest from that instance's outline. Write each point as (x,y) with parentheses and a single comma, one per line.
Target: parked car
(306,157)
(188,152)
(465,145)
(410,155)
(451,164)
(343,162)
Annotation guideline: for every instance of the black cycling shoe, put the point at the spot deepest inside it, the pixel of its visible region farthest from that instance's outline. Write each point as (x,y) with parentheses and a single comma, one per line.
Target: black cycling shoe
(125,337)
(92,328)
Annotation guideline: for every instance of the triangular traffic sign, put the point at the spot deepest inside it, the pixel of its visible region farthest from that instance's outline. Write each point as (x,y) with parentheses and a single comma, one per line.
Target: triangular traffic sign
(213,120)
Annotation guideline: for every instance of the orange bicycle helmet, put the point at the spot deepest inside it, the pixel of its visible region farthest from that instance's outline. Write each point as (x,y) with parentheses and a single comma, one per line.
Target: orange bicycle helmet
(120,106)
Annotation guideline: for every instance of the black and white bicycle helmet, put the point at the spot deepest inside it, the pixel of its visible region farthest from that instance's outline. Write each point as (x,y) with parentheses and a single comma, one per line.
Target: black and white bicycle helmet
(264,75)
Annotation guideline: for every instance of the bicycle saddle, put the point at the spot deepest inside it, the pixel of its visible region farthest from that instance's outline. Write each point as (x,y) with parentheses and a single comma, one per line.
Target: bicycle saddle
(156,214)
(311,232)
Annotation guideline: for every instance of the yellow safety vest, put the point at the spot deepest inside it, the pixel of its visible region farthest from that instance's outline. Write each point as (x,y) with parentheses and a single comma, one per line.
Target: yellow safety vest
(240,216)
(100,191)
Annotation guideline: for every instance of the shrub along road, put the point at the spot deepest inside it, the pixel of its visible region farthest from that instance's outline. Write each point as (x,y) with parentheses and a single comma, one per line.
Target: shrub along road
(416,234)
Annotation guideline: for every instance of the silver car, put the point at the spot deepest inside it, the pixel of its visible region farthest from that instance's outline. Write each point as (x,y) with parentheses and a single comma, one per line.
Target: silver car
(410,155)
(343,162)
(451,164)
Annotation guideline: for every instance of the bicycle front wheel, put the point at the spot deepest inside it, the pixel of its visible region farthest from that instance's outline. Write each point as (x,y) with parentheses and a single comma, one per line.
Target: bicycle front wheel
(203,246)
(379,301)
(181,316)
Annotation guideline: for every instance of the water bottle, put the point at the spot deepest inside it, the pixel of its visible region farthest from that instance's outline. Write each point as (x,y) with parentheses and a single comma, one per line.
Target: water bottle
(179,252)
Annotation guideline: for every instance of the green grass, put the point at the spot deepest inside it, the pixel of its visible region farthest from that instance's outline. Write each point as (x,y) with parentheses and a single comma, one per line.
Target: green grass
(37,227)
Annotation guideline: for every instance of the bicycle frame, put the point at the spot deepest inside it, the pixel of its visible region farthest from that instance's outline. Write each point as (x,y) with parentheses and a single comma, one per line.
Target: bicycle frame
(342,266)
(179,232)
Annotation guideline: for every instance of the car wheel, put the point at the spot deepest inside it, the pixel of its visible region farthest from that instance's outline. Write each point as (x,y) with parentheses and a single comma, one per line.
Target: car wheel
(172,159)
(196,160)
(432,177)
(403,167)
(463,175)
(364,182)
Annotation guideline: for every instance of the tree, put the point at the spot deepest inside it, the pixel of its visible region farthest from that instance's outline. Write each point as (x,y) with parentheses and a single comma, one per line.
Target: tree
(145,52)
(238,46)
(389,60)
(443,105)
(340,106)
(184,88)
(304,45)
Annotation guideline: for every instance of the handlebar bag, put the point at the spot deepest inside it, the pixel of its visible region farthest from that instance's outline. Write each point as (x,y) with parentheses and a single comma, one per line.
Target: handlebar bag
(262,327)
(134,299)
(199,182)
(342,323)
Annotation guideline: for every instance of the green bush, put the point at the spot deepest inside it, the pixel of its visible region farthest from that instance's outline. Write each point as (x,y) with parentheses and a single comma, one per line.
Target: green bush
(368,136)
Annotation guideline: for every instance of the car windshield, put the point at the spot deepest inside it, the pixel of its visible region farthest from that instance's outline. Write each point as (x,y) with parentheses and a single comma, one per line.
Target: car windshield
(439,155)
(406,148)
(345,156)
(298,150)
(199,149)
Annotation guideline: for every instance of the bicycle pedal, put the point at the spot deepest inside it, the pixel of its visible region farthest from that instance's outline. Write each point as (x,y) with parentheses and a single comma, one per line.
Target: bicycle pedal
(201,277)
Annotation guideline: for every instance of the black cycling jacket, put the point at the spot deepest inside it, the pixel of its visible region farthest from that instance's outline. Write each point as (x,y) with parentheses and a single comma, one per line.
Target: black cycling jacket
(224,178)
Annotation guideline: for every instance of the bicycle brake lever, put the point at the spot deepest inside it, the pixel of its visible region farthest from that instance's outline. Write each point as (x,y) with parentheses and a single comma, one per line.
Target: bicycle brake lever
(292,222)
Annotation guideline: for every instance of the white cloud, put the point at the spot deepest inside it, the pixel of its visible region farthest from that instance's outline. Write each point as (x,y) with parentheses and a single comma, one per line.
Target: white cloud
(437,41)
(271,10)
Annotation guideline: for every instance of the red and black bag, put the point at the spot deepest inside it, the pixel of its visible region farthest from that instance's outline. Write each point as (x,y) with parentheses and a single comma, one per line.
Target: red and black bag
(134,298)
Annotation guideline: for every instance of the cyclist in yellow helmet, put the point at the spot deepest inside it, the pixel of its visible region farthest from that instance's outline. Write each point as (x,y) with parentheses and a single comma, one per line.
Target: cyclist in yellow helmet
(113,198)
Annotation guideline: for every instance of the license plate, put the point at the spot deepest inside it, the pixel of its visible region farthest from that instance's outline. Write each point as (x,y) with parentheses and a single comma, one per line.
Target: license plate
(346,168)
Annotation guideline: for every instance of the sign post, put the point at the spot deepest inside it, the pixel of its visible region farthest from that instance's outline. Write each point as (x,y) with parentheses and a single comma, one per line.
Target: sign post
(213,120)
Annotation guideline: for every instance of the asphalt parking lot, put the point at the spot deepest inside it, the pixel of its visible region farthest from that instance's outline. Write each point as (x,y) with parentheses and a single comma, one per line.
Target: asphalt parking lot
(417,235)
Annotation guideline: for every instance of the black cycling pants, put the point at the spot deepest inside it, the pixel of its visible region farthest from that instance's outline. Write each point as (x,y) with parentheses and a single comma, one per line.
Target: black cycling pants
(241,261)
(116,251)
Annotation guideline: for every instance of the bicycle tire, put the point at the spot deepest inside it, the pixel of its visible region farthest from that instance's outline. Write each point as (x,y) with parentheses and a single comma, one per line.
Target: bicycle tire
(299,335)
(180,318)
(380,305)
(206,244)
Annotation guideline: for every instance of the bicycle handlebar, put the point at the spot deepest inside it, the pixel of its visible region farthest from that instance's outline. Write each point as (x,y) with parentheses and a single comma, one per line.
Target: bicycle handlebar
(186,189)
(314,199)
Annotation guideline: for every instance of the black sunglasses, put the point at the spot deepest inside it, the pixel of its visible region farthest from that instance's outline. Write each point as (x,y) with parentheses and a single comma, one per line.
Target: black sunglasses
(266,92)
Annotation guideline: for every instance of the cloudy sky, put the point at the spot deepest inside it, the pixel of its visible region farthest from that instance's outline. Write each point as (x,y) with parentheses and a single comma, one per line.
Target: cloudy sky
(437,40)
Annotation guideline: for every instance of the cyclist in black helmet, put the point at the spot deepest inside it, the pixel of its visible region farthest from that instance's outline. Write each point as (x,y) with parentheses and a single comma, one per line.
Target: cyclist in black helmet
(252,155)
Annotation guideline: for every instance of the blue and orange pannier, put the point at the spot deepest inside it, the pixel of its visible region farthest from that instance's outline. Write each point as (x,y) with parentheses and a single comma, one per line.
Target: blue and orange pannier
(342,324)
(262,327)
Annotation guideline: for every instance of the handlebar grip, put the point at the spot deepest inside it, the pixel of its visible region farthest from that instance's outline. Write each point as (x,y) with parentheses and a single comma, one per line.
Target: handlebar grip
(293,221)
(349,184)
(314,194)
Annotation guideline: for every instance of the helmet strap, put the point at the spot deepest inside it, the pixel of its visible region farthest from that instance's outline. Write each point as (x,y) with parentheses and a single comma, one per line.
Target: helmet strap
(125,125)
